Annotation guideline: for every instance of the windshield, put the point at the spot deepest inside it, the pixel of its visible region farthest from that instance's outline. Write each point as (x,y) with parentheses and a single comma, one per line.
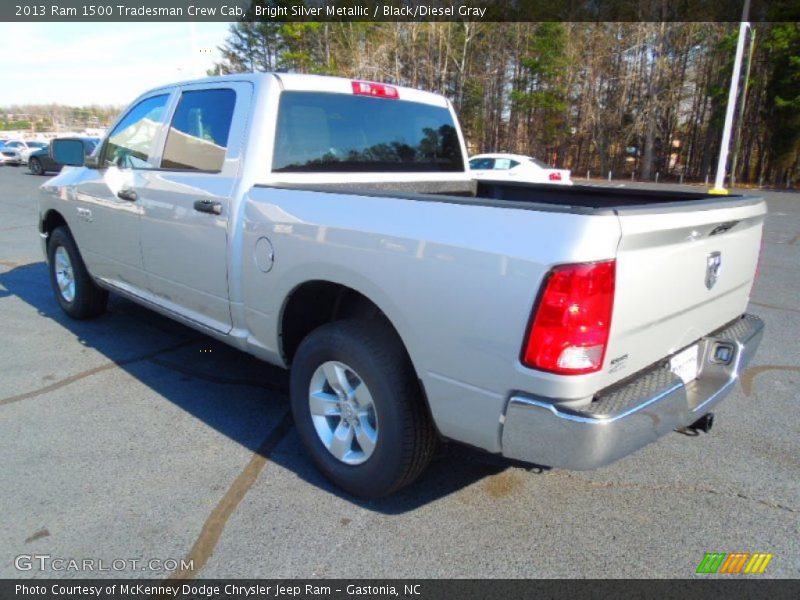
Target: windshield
(324,133)
(37,144)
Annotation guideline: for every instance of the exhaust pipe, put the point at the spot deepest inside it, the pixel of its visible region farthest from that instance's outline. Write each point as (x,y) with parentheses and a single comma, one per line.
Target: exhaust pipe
(704,423)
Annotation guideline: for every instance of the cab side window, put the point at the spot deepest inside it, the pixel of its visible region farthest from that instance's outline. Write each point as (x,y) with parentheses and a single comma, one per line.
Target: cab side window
(198,135)
(132,141)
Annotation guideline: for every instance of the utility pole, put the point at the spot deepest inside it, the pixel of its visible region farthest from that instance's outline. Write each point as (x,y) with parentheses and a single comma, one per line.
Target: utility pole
(719,183)
(737,142)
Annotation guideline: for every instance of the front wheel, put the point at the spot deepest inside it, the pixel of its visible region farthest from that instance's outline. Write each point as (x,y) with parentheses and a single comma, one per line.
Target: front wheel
(35,166)
(74,289)
(358,408)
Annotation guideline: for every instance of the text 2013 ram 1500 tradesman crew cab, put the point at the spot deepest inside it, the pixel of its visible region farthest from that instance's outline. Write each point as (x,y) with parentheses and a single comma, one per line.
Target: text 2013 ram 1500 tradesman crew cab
(331,226)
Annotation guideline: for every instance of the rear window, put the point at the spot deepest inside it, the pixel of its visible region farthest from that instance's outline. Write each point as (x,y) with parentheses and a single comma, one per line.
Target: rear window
(327,133)
(539,163)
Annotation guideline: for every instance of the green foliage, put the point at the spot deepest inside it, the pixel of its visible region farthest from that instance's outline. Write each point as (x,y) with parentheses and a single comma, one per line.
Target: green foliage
(15,125)
(784,89)
(47,117)
(299,47)
(250,47)
(585,92)
(543,86)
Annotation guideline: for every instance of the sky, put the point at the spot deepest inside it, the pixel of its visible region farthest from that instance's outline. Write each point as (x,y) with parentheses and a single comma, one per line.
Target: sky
(79,64)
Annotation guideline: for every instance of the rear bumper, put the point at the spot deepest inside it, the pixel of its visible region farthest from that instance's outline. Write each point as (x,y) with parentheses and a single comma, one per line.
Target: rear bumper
(627,417)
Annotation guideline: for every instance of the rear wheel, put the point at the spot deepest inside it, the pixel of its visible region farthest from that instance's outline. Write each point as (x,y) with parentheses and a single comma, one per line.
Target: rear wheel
(35,166)
(358,408)
(73,287)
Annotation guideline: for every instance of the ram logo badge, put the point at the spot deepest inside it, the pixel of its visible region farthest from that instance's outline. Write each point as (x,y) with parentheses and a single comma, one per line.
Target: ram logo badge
(85,214)
(713,267)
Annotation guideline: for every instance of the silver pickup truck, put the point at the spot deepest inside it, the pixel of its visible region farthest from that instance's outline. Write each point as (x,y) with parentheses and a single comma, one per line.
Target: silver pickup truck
(331,226)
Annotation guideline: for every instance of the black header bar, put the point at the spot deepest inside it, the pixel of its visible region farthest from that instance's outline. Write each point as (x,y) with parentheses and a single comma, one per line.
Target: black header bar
(395,10)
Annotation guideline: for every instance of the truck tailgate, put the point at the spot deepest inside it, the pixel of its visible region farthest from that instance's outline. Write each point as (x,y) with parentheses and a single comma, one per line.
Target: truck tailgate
(682,272)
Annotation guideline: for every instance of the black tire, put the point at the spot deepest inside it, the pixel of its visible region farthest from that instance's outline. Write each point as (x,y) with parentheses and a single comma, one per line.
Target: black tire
(88,300)
(35,166)
(406,438)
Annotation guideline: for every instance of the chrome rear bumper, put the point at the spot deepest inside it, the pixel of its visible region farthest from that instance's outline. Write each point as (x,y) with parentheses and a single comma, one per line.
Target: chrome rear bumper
(632,415)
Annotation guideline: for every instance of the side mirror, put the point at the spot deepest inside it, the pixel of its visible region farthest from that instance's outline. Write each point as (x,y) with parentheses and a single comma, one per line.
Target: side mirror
(68,152)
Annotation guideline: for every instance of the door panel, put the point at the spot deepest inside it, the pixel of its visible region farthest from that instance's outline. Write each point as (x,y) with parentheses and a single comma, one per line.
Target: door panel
(108,214)
(107,227)
(185,250)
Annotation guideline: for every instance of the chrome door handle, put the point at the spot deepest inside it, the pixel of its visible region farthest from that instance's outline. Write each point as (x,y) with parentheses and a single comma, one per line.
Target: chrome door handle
(208,206)
(127,194)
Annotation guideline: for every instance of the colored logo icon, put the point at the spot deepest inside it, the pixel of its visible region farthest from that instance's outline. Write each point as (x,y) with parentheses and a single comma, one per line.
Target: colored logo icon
(734,563)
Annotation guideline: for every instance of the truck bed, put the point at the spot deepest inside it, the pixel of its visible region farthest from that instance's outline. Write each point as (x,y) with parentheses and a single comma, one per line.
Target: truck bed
(581,199)
(584,195)
(670,248)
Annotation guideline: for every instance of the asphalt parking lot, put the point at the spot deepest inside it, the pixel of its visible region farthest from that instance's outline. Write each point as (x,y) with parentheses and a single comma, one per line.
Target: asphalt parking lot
(131,437)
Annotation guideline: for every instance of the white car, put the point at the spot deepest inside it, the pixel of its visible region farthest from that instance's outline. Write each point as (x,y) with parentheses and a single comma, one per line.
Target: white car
(516,167)
(24,148)
(9,156)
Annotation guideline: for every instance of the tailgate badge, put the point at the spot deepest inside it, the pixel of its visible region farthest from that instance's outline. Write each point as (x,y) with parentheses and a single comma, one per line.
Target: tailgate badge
(713,267)
(617,364)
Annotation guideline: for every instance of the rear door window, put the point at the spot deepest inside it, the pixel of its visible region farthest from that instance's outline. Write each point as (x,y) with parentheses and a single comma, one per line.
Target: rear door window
(198,135)
(326,133)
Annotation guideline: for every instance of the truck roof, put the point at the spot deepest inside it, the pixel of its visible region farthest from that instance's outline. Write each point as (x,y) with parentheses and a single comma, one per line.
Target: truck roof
(313,83)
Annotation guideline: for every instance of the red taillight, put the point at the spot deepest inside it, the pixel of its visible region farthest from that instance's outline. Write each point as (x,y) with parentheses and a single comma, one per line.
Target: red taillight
(556,176)
(379,90)
(569,333)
